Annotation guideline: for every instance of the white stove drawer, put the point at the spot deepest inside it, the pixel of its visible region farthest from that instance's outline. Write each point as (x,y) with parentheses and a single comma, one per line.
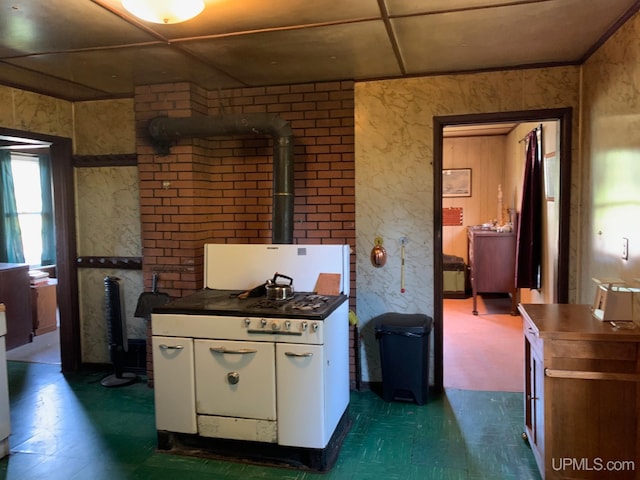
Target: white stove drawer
(235,379)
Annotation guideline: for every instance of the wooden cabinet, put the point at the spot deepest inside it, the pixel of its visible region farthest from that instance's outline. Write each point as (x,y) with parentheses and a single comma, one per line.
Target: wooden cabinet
(582,394)
(44,306)
(5,417)
(16,296)
(492,260)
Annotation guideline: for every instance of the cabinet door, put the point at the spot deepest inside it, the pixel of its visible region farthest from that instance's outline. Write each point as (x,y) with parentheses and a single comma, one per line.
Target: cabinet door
(15,293)
(494,262)
(537,400)
(534,394)
(174,389)
(301,395)
(5,421)
(235,379)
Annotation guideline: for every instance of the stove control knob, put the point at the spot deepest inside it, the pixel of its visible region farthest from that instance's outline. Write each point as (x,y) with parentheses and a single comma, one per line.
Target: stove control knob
(263,322)
(275,325)
(304,326)
(247,322)
(233,378)
(314,326)
(287,324)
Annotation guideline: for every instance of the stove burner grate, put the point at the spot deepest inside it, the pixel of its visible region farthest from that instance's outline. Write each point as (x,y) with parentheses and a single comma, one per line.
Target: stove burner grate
(306,302)
(269,304)
(309,302)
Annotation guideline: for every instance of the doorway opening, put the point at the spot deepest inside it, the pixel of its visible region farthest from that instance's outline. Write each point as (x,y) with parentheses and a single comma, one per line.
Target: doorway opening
(63,193)
(32,242)
(561,260)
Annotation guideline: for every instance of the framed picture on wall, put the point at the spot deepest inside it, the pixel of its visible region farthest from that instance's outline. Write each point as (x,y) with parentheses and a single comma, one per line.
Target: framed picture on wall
(456,182)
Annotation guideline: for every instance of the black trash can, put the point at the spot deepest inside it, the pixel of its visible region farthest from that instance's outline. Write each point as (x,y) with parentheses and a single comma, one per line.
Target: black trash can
(404,355)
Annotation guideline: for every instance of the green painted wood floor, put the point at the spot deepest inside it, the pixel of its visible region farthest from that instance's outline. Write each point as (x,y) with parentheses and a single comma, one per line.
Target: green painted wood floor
(71,428)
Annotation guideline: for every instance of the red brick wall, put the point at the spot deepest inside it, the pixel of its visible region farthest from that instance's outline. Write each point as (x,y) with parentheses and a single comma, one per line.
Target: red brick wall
(218,190)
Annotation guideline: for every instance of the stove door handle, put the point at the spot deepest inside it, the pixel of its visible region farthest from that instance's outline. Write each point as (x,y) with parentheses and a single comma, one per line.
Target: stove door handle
(171,347)
(240,351)
(295,354)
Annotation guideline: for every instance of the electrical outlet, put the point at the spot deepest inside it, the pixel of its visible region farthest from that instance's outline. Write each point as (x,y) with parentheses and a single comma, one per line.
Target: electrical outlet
(625,249)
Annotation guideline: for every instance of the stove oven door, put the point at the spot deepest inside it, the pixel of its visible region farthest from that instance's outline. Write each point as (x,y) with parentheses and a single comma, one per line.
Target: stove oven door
(174,386)
(235,379)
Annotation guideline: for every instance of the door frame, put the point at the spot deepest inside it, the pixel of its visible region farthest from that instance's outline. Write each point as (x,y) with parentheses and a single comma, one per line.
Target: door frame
(564,116)
(61,150)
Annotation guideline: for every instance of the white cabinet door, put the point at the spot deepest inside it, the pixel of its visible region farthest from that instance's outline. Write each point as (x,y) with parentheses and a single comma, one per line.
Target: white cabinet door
(301,395)
(174,390)
(235,379)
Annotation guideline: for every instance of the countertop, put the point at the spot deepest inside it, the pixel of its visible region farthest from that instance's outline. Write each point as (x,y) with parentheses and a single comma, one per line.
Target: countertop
(574,322)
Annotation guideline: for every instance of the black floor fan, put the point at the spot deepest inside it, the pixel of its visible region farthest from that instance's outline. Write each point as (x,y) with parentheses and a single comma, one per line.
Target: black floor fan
(117,333)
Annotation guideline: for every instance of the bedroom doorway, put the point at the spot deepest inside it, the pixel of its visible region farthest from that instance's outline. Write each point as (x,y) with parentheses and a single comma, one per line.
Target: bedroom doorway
(559,289)
(60,149)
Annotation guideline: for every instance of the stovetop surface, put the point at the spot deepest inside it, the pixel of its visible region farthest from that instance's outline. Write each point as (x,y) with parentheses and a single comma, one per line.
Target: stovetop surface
(226,302)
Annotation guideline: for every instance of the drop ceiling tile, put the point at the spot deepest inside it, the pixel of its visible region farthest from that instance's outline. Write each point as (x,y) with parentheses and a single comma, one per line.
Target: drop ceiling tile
(30,26)
(116,70)
(510,36)
(29,80)
(412,7)
(227,16)
(336,52)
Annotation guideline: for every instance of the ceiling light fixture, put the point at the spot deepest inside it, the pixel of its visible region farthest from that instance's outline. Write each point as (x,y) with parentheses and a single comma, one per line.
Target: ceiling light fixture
(164,11)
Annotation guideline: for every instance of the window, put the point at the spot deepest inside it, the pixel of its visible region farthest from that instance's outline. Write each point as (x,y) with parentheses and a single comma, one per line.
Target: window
(26,180)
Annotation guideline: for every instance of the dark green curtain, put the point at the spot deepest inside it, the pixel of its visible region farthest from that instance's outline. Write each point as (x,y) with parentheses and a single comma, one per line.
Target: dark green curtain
(48,222)
(11,245)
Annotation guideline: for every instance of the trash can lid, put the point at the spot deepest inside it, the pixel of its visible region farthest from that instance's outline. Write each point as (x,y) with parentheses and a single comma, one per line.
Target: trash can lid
(417,323)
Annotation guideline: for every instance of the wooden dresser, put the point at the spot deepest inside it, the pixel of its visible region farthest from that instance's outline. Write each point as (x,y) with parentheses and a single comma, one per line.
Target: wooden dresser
(15,293)
(492,260)
(582,394)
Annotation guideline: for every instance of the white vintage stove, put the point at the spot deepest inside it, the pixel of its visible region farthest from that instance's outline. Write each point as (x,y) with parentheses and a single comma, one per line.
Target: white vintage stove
(256,378)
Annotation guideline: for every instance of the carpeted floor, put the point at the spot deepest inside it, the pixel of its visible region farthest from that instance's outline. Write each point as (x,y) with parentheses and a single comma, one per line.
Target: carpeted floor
(484,351)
